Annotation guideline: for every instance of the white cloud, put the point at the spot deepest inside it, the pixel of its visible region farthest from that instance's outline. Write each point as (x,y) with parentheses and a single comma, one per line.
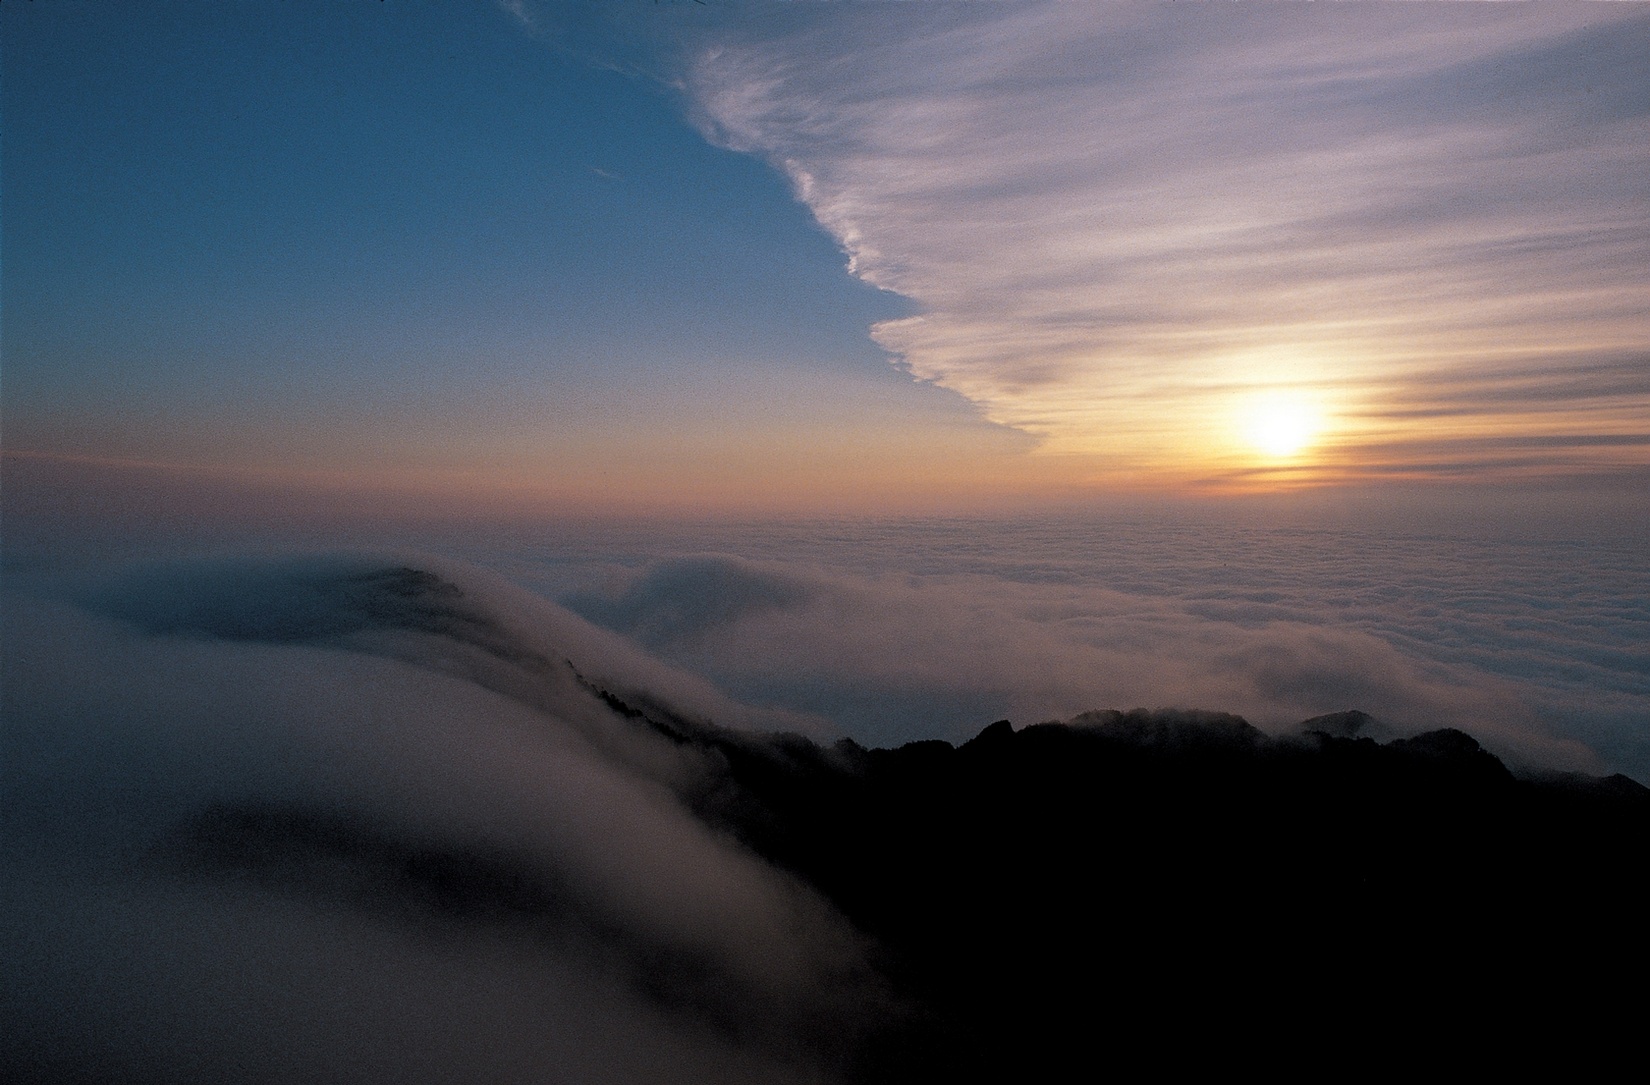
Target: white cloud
(1113,216)
(409,717)
(894,658)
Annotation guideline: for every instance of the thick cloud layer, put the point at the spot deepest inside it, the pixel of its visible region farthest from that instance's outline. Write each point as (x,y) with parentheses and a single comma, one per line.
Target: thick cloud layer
(904,660)
(351,820)
(897,632)
(1123,222)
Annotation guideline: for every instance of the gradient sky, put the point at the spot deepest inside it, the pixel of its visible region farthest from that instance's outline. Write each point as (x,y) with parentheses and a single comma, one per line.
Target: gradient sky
(823,257)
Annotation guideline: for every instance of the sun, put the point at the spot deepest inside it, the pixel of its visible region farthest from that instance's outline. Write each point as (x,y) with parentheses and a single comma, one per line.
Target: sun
(1281,424)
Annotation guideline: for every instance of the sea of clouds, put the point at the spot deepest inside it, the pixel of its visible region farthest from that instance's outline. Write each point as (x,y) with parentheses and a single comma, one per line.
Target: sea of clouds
(274,817)
(892,632)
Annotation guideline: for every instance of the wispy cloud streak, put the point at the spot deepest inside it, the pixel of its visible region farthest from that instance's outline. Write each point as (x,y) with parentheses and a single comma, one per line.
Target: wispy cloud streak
(1118,219)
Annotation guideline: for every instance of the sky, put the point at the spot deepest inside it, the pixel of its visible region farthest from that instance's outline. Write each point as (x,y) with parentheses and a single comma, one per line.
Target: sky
(818,258)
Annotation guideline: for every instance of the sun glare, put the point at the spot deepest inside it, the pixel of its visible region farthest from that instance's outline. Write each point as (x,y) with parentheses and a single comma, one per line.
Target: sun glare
(1281,424)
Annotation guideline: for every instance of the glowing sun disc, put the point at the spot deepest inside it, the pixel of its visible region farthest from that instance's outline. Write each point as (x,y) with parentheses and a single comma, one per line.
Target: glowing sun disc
(1281,425)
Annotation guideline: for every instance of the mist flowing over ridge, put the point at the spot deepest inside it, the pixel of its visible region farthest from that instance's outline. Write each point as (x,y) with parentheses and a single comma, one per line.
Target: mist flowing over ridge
(368,819)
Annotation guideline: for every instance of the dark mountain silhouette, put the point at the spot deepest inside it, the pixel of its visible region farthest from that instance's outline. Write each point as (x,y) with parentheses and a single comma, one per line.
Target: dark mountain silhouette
(1171,886)
(1159,882)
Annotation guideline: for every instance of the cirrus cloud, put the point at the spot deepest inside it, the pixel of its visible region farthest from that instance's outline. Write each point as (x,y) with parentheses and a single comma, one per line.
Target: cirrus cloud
(1117,220)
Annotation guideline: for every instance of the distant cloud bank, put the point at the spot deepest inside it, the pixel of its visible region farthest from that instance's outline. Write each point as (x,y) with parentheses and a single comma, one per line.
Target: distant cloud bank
(893,659)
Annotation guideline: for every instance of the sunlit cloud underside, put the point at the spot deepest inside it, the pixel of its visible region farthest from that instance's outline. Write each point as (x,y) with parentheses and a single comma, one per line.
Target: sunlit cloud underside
(1415,237)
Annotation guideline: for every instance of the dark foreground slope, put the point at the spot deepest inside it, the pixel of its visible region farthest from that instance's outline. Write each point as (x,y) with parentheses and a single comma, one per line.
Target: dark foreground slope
(1182,887)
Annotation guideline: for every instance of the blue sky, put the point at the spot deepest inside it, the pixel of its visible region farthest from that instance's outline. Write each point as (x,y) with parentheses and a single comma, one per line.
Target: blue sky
(693,256)
(411,237)
(357,173)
